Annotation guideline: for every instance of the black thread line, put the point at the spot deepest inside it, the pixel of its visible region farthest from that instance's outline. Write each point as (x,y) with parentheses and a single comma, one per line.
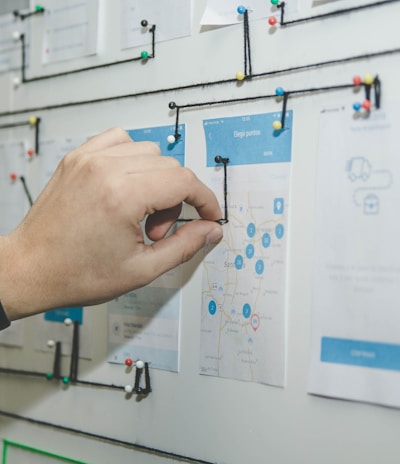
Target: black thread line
(198,85)
(37,124)
(4,370)
(57,361)
(116,441)
(26,190)
(26,80)
(22,16)
(331,13)
(14,124)
(285,99)
(73,372)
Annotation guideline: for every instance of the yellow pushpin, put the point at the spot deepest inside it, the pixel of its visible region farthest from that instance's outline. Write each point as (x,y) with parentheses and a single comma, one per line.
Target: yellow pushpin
(32,120)
(277,125)
(369,79)
(240,76)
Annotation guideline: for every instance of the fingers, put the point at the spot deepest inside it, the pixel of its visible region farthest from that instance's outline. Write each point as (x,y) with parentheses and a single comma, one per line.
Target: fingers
(164,189)
(109,138)
(159,223)
(178,248)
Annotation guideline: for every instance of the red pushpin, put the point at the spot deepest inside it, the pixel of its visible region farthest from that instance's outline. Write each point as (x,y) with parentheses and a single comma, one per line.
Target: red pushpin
(366,104)
(13,176)
(128,362)
(30,152)
(357,80)
(272,21)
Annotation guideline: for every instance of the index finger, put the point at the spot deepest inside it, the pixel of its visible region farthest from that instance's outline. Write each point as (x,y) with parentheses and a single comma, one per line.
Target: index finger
(168,188)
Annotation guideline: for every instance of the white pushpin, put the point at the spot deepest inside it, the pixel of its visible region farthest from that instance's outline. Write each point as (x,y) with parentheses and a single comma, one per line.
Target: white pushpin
(171,139)
(139,364)
(51,343)
(128,389)
(16,35)
(68,321)
(16,82)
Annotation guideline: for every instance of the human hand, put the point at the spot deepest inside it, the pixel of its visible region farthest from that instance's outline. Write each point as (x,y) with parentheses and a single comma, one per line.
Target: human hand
(82,243)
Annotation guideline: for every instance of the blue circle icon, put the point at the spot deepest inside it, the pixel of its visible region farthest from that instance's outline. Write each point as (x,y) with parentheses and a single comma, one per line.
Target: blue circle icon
(279,230)
(259,267)
(239,262)
(246,310)
(250,250)
(251,230)
(212,307)
(266,240)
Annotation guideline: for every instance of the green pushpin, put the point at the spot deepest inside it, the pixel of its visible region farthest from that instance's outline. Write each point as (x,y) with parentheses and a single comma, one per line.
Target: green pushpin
(65,380)
(39,8)
(274,2)
(49,375)
(144,55)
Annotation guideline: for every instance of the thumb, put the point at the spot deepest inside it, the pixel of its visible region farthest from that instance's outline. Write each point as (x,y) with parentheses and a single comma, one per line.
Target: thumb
(182,245)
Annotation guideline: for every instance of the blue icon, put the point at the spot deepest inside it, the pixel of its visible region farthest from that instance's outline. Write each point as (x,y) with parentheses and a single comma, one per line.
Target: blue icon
(239,262)
(266,240)
(279,230)
(251,230)
(259,267)
(250,250)
(246,310)
(212,307)
(278,205)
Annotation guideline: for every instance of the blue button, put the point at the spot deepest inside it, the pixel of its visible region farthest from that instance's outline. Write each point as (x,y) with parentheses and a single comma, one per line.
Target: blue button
(360,353)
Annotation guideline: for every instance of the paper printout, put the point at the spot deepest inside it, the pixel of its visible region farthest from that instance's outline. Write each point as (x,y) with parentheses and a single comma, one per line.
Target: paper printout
(356,317)
(244,277)
(70,30)
(172,18)
(145,324)
(11,49)
(224,12)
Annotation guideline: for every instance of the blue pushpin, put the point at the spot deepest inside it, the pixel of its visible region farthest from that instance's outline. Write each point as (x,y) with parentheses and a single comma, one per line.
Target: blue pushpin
(279,92)
(241,9)
(357,106)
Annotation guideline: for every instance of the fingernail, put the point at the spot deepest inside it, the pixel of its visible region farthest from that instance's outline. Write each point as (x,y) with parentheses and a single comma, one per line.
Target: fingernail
(214,236)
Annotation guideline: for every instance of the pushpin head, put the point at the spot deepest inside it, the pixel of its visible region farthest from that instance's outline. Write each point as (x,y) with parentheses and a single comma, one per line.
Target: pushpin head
(68,321)
(368,79)
(32,120)
(65,380)
(49,375)
(240,76)
(366,104)
(13,176)
(30,152)
(279,91)
(51,343)
(16,81)
(357,106)
(128,362)
(144,55)
(171,139)
(39,8)
(272,21)
(144,23)
(357,80)
(16,35)
(277,125)
(139,364)
(172,105)
(274,2)
(128,389)
(241,9)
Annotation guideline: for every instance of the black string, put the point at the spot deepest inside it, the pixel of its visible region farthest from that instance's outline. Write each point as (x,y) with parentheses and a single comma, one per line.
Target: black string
(219,159)
(26,80)
(246,45)
(26,190)
(22,16)
(331,13)
(73,373)
(57,361)
(285,99)
(115,441)
(202,85)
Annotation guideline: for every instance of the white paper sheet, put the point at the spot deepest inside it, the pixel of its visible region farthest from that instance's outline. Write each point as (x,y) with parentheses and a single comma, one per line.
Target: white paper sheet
(70,29)
(172,18)
(356,316)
